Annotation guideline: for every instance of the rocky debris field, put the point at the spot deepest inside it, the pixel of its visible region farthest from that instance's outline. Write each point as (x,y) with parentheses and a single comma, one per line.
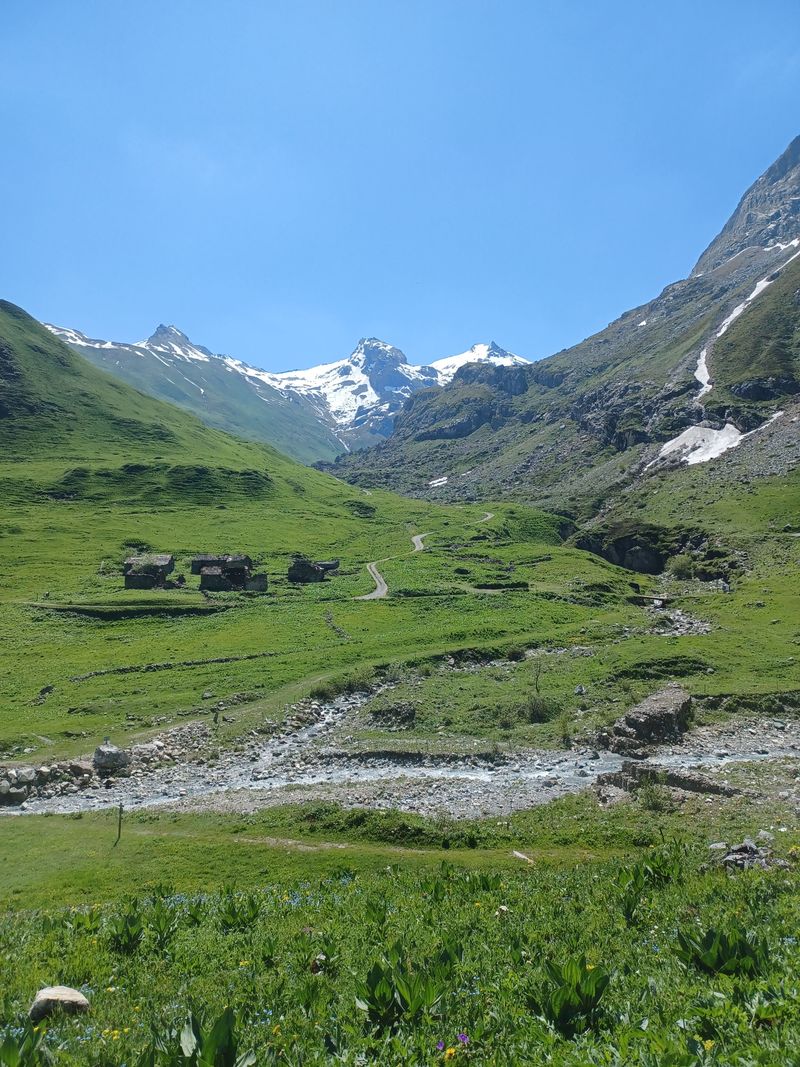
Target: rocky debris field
(311,757)
(81,777)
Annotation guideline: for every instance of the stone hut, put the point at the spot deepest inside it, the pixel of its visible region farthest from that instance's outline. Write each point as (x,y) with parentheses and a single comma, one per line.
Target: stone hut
(147,572)
(214,580)
(257,583)
(226,561)
(226,573)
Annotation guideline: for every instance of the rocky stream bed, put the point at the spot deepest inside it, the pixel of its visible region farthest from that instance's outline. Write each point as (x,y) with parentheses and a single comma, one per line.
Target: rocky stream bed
(311,759)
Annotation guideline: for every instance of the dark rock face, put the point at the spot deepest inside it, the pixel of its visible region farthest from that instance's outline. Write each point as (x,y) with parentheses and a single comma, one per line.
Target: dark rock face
(637,550)
(510,380)
(478,415)
(663,716)
(766,388)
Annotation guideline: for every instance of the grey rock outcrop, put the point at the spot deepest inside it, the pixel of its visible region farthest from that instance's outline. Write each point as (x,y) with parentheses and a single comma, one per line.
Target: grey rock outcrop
(632,775)
(663,716)
(109,760)
(748,854)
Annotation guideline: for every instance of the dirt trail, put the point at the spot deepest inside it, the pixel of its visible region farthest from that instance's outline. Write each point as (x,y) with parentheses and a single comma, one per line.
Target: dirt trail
(486,517)
(381,588)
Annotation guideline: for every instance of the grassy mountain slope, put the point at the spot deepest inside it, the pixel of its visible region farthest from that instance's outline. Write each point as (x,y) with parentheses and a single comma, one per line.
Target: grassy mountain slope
(83,657)
(91,470)
(571,430)
(758,359)
(222,398)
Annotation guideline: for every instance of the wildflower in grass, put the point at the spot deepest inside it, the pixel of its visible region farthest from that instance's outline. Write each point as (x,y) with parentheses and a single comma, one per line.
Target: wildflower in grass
(440,1045)
(464,1039)
(449,1053)
(708,1044)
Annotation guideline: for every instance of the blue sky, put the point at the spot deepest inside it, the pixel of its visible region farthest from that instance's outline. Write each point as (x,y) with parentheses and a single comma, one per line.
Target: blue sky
(281,178)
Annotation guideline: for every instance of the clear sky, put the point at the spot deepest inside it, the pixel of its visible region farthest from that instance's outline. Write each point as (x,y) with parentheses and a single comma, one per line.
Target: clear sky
(279,179)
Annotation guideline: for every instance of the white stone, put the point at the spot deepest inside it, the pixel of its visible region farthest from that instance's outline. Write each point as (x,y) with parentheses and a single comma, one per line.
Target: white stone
(55,998)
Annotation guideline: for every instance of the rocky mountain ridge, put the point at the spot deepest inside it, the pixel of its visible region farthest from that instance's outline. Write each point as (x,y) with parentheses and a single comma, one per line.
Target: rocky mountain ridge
(664,385)
(311,414)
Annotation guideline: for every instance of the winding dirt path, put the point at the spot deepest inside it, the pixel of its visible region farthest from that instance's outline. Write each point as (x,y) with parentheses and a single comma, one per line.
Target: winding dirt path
(486,517)
(417,540)
(381,588)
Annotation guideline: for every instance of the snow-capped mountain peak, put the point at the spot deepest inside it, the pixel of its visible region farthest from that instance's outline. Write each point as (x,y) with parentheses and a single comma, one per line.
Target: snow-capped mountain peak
(356,399)
(480,353)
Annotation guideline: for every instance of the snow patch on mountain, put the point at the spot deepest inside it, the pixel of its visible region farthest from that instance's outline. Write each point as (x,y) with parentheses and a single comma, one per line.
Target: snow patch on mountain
(699,444)
(702,374)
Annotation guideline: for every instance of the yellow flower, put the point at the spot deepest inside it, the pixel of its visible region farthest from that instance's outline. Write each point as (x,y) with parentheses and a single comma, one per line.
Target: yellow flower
(708,1044)
(276,1029)
(478,904)
(449,1053)
(243,963)
(590,966)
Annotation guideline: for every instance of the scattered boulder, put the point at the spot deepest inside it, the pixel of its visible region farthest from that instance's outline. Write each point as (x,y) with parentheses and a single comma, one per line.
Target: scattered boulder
(748,854)
(663,716)
(11,795)
(57,998)
(109,760)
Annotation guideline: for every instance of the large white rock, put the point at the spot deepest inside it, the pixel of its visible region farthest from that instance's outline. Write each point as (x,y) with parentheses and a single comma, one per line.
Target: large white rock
(57,998)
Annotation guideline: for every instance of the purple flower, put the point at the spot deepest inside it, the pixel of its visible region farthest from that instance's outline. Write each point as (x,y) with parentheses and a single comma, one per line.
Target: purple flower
(440,1045)
(464,1039)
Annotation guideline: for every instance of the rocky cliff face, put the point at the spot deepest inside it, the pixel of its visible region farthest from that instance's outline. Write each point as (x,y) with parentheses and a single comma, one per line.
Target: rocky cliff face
(683,378)
(768,213)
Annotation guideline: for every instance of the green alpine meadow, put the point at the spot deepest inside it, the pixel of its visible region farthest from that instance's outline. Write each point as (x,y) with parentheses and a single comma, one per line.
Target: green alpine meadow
(434,705)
